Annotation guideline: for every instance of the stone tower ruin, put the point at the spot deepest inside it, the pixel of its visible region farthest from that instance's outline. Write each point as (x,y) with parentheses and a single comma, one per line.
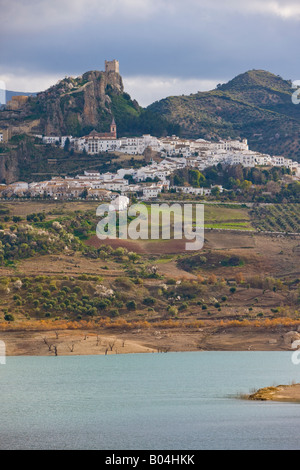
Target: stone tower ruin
(112,66)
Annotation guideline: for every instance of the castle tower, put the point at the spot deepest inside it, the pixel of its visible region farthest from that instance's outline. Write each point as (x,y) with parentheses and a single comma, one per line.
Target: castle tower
(112,66)
(113,128)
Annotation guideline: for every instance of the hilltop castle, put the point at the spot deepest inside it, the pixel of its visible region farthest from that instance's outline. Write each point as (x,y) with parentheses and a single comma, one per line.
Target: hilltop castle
(112,66)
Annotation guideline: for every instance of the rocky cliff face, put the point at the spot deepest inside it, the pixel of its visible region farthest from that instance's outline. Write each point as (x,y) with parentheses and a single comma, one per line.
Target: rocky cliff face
(9,168)
(19,159)
(72,106)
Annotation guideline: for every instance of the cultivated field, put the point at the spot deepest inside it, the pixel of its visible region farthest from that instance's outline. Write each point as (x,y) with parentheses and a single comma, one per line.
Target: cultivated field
(241,291)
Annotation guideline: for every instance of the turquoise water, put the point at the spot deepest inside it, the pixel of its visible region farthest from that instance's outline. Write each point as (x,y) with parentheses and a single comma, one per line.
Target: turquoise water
(180,401)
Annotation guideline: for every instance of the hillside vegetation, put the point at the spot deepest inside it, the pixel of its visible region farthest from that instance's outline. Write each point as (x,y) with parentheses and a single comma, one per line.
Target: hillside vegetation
(256,105)
(50,270)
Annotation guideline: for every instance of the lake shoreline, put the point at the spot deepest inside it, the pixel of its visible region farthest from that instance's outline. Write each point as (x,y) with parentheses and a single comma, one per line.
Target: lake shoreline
(66,342)
(288,393)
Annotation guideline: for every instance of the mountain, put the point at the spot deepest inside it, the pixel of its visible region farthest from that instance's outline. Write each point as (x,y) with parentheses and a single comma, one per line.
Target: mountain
(256,105)
(76,106)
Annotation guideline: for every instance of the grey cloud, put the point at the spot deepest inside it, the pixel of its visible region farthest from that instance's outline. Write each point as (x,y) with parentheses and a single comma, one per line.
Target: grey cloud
(194,39)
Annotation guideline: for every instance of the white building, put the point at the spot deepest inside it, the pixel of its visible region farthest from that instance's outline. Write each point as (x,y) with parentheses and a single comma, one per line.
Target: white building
(115,185)
(51,139)
(95,146)
(152,190)
(19,188)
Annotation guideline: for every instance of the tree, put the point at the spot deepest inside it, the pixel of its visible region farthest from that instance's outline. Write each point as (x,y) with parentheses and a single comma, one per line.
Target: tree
(246,185)
(67,145)
(131,305)
(178,180)
(84,194)
(195,177)
(215,192)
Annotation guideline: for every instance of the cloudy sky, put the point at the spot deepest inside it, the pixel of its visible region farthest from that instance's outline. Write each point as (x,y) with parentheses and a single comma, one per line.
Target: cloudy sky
(165,47)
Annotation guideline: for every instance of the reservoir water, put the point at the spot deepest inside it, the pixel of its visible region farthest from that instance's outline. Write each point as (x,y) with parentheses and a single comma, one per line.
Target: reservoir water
(173,401)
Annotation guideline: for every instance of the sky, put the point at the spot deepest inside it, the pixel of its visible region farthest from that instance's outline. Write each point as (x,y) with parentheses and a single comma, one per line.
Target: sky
(165,47)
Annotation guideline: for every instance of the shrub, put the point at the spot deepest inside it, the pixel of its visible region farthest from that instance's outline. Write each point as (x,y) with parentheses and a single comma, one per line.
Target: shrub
(212,279)
(114,312)
(173,311)
(77,290)
(46,293)
(9,317)
(183,306)
(102,304)
(131,305)
(171,282)
(149,301)
(124,283)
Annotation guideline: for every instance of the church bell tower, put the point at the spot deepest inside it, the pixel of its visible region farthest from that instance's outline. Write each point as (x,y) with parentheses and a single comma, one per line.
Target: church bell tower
(113,128)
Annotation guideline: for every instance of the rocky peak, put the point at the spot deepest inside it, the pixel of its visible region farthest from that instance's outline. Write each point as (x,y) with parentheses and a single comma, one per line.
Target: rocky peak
(75,104)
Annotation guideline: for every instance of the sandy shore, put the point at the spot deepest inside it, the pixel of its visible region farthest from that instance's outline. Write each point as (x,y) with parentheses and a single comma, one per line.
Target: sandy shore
(111,341)
(70,343)
(289,393)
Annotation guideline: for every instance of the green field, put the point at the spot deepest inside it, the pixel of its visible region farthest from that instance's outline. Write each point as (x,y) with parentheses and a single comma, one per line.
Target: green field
(223,216)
